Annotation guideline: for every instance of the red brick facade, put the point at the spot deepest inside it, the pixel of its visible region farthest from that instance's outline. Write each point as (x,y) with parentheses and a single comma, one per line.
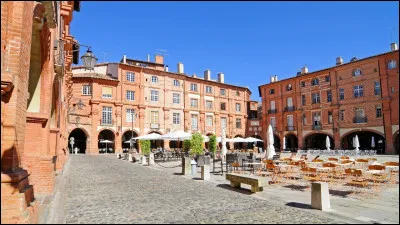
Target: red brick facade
(34,98)
(340,119)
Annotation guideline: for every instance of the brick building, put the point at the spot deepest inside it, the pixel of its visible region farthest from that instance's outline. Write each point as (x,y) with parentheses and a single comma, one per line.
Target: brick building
(132,98)
(34,96)
(360,98)
(254,121)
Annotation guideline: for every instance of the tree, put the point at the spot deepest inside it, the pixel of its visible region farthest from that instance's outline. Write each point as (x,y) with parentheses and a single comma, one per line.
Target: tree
(212,143)
(186,145)
(196,144)
(145,145)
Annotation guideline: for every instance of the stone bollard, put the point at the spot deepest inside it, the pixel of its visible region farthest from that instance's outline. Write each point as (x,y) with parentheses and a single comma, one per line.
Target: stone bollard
(144,160)
(151,159)
(130,158)
(194,167)
(320,196)
(205,172)
(186,167)
(118,156)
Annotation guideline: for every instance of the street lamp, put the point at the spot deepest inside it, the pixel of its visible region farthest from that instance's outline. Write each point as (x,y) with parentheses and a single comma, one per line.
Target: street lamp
(89,60)
(131,141)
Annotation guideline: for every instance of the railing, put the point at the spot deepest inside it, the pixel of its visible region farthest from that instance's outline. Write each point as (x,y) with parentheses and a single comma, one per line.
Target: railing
(154,126)
(290,128)
(359,119)
(290,108)
(272,111)
(317,127)
(195,128)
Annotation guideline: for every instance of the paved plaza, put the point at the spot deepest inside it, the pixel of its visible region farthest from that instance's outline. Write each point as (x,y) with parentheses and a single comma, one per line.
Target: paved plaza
(104,189)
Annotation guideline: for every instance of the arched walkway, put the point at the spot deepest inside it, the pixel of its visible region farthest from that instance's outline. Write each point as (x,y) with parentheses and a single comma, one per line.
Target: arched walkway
(239,145)
(277,143)
(106,135)
(396,143)
(291,142)
(365,140)
(125,138)
(259,144)
(156,143)
(318,141)
(80,139)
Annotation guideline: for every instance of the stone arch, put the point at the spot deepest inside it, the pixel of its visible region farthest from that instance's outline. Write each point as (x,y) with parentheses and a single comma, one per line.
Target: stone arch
(126,136)
(317,140)
(396,142)
(81,138)
(106,134)
(156,143)
(239,145)
(292,143)
(259,144)
(365,139)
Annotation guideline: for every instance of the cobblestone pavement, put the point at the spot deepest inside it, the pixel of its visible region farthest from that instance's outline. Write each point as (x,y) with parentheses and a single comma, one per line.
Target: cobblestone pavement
(103,189)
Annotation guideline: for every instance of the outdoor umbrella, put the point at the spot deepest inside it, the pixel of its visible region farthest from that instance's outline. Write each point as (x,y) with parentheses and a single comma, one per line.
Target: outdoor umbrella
(251,139)
(223,149)
(327,143)
(106,142)
(270,148)
(205,138)
(372,142)
(284,143)
(178,135)
(356,143)
(151,136)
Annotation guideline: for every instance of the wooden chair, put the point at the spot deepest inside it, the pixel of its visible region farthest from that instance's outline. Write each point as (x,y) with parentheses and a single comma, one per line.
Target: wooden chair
(235,167)
(318,160)
(391,164)
(309,175)
(333,159)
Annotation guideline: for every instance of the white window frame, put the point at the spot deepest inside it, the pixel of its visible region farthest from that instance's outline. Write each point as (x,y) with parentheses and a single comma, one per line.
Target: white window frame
(378,115)
(154,119)
(130,95)
(176,118)
(87,90)
(209,104)
(177,83)
(272,105)
(106,117)
(358,91)
(176,98)
(377,88)
(222,91)
(238,122)
(193,87)
(392,64)
(208,89)
(154,79)
(209,121)
(223,122)
(130,76)
(290,124)
(130,115)
(316,98)
(192,100)
(194,122)
(314,82)
(289,102)
(357,72)
(154,96)
(238,107)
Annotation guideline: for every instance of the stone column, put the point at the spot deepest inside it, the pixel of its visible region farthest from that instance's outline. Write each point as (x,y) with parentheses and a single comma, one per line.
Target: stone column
(320,196)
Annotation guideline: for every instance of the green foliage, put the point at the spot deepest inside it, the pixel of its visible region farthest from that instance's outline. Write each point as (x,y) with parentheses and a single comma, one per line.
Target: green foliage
(196,144)
(186,145)
(212,144)
(145,146)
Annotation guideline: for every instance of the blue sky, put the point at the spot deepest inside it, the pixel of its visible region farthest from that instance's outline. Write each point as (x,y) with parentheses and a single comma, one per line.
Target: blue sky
(247,41)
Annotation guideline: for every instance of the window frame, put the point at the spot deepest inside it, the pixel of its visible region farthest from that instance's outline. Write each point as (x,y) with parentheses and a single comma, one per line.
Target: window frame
(222,91)
(154,117)
(176,83)
(356,72)
(193,85)
(272,91)
(315,81)
(88,89)
(176,118)
(378,115)
(240,107)
(209,90)
(153,96)
(154,79)
(341,93)
(176,98)
(209,104)
(106,115)
(130,76)
(208,123)
(358,91)
(316,98)
(377,87)
(194,100)
(128,115)
(223,104)
(329,95)
(238,123)
(392,64)
(130,94)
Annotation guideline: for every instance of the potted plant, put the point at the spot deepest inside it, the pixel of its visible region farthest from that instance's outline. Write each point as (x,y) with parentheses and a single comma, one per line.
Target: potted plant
(186,146)
(212,144)
(145,146)
(196,145)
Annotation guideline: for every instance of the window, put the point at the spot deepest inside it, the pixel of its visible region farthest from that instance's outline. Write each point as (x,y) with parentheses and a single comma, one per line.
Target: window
(378,111)
(130,115)
(251,129)
(130,76)
(209,121)
(154,96)
(377,87)
(314,81)
(208,89)
(222,91)
(272,104)
(303,100)
(194,122)
(304,119)
(341,115)
(223,122)
(329,96)
(193,87)
(237,93)
(392,89)
(106,92)
(154,79)
(194,102)
(303,84)
(223,106)
(316,118)
(130,95)
(392,64)
(327,78)
(360,112)
(290,120)
(330,117)
(154,117)
(209,104)
(357,72)
(106,115)
(358,91)
(176,118)
(272,122)
(315,98)
(341,93)
(86,90)
(272,91)
(289,87)
(176,83)
(238,107)
(238,123)
(289,102)
(176,98)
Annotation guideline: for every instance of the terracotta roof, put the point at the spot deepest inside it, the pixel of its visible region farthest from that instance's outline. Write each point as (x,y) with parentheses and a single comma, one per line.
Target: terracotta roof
(94,75)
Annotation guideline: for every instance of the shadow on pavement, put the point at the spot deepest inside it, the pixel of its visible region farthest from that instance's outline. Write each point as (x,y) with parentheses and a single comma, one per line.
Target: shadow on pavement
(298,205)
(240,190)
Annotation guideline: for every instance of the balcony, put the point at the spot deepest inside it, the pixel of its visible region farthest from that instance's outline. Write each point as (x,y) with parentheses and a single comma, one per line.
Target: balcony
(359,119)
(272,111)
(290,109)
(154,126)
(290,128)
(317,126)
(195,128)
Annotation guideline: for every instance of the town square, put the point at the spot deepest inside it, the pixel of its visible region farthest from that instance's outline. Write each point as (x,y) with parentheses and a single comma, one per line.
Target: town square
(199,112)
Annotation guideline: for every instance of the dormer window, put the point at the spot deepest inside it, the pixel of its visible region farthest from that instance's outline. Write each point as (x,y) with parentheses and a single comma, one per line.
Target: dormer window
(314,81)
(392,64)
(357,72)
(289,87)
(272,91)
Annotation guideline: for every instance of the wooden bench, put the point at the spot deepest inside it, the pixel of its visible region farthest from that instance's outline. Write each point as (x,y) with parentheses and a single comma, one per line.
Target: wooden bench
(257,183)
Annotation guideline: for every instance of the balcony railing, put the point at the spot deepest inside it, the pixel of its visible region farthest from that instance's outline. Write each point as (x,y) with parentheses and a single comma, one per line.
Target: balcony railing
(272,111)
(154,126)
(290,108)
(290,128)
(195,128)
(359,119)
(317,127)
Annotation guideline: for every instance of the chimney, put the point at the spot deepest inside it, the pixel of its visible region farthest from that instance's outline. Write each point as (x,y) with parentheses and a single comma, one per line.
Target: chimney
(272,79)
(394,47)
(159,59)
(124,59)
(304,70)
(339,61)
(207,74)
(298,74)
(221,78)
(276,78)
(180,67)
(166,68)
(194,75)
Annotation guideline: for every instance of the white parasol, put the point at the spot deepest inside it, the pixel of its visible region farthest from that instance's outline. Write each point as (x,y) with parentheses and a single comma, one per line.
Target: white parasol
(106,142)
(284,143)
(356,143)
(372,142)
(327,143)
(270,148)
